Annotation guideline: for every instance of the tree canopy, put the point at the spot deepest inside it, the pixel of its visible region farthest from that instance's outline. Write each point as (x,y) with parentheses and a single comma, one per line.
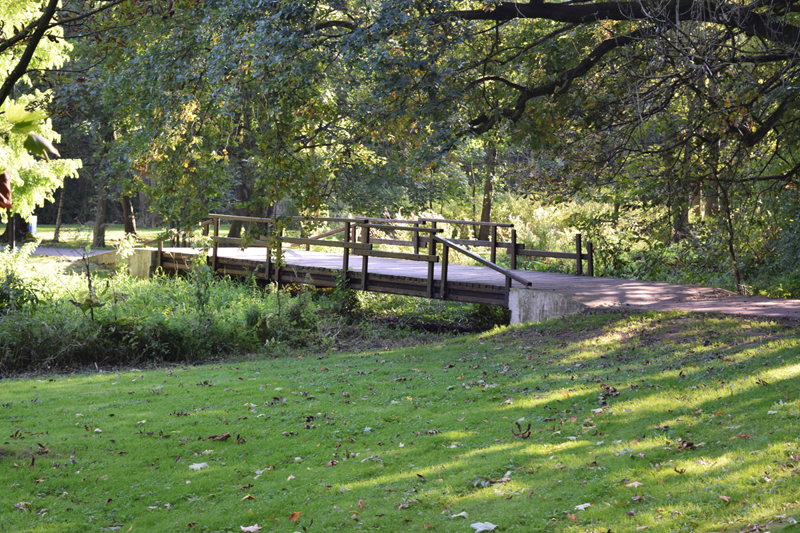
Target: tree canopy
(640,104)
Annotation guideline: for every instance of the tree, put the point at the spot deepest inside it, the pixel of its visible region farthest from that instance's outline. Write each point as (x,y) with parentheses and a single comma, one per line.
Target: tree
(640,103)
(26,150)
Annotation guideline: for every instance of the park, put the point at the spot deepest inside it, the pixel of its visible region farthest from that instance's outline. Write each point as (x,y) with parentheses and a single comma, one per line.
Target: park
(460,266)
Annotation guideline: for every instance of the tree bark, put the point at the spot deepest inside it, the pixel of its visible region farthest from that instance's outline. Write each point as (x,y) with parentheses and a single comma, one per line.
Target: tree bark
(57,232)
(20,230)
(128,218)
(21,68)
(101,216)
(488,191)
(242,193)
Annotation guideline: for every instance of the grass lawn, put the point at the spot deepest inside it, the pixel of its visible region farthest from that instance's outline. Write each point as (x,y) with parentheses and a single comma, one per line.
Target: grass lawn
(658,422)
(76,236)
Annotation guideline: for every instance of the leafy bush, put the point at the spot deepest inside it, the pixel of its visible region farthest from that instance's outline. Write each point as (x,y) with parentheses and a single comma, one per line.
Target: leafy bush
(17,292)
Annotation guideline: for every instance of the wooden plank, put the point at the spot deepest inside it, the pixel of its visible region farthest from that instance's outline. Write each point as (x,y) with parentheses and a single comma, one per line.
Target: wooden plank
(346,252)
(480,244)
(400,228)
(486,263)
(364,259)
(384,283)
(333,244)
(392,242)
(398,255)
(240,243)
(542,253)
(260,220)
(468,222)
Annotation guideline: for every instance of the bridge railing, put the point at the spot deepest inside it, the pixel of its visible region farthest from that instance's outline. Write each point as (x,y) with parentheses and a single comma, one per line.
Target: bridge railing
(418,240)
(358,240)
(361,237)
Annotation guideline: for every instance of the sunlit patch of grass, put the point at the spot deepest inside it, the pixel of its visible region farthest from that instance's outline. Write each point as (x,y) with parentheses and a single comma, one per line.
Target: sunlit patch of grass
(635,415)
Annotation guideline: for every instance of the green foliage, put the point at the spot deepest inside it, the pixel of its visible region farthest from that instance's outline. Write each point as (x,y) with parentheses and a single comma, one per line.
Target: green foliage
(33,180)
(58,321)
(18,293)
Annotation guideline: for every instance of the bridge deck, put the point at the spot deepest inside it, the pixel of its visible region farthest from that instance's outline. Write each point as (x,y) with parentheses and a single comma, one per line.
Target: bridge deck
(483,285)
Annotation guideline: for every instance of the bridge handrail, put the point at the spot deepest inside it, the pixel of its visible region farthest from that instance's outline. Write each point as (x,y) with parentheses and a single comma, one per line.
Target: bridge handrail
(475,257)
(467,222)
(399,228)
(421,237)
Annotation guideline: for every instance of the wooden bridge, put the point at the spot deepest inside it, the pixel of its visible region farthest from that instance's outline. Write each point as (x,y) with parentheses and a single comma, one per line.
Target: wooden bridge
(417,264)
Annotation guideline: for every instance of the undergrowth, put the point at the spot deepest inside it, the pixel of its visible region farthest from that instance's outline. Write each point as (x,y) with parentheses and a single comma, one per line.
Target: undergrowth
(60,320)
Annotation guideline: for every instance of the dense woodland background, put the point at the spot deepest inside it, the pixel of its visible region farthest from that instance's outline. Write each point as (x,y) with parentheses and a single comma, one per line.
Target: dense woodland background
(666,132)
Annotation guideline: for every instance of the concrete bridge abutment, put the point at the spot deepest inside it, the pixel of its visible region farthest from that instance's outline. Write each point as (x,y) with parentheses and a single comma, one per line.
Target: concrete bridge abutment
(532,305)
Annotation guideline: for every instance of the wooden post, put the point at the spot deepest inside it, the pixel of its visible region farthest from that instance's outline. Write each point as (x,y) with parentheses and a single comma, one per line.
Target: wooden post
(278,268)
(11,230)
(216,246)
(365,257)
(268,266)
(579,261)
(431,251)
(508,290)
(415,239)
(160,253)
(513,249)
(443,288)
(494,245)
(346,252)
(590,253)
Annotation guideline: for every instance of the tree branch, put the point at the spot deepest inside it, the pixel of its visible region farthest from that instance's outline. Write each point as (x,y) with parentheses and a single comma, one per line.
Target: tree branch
(729,15)
(27,55)
(559,85)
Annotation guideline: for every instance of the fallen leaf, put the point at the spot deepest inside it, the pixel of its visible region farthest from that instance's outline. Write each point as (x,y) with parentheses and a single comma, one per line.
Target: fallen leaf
(462,514)
(224,436)
(726,499)
(583,506)
(294,516)
(254,527)
(198,466)
(482,526)
(249,497)
(572,517)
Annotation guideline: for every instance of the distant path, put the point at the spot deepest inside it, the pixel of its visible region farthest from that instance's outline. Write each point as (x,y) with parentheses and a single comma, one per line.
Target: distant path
(69,253)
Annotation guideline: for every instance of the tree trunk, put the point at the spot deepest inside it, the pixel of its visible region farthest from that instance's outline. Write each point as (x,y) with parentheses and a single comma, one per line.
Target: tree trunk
(726,212)
(242,193)
(57,232)
(712,201)
(680,219)
(20,230)
(696,203)
(128,218)
(488,191)
(99,238)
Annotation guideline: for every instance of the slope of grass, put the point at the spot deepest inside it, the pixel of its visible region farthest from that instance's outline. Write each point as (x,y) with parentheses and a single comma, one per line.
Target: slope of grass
(660,421)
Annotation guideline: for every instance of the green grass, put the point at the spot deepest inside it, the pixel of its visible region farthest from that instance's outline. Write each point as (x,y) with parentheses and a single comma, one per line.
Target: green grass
(664,421)
(76,236)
